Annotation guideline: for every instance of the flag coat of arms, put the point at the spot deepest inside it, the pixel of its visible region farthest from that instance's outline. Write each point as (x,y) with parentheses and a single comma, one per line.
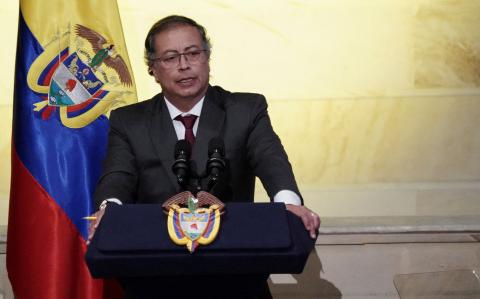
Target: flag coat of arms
(72,68)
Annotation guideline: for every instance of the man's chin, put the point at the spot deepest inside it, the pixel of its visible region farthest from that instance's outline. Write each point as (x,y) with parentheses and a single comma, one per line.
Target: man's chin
(186,95)
(191,91)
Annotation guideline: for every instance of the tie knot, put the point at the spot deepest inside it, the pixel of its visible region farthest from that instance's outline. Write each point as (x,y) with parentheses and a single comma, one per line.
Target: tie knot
(187,120)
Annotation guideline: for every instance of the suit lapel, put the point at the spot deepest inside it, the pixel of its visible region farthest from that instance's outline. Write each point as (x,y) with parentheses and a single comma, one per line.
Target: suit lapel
(164,137)
(211,123)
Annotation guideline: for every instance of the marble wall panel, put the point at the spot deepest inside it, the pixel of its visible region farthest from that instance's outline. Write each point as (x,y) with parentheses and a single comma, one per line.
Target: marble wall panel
(454,201)
(5,152)
(413,139)
(447,44)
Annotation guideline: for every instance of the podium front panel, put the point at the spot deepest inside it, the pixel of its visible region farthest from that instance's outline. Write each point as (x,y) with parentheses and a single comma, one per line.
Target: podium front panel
(263,238)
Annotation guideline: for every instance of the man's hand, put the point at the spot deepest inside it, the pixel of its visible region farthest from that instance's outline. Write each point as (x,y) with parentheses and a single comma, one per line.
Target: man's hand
(92,226)
(310,219)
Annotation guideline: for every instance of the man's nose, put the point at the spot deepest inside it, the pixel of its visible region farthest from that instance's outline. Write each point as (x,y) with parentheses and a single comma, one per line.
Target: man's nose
(183,62)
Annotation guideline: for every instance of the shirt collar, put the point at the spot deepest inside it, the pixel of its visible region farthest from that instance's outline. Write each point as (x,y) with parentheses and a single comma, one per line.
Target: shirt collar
(174,112)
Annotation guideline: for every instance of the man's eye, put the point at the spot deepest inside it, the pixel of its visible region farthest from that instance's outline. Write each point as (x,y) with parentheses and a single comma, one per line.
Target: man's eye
(193,53)
(170,58)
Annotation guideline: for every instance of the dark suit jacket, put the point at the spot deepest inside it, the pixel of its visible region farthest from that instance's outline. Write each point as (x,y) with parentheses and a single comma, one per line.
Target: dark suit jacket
(137,168)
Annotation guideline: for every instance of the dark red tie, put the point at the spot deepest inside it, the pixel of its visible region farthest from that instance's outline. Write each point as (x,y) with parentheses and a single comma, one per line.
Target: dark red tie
(188,122)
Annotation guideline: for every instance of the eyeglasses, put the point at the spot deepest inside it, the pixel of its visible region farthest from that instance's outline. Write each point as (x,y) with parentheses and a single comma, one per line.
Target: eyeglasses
(172,60)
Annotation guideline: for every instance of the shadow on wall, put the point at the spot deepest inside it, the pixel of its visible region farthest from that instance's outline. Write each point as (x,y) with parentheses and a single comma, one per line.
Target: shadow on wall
(309,284)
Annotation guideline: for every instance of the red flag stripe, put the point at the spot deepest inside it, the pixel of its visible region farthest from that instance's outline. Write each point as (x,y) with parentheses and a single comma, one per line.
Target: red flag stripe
(55,246)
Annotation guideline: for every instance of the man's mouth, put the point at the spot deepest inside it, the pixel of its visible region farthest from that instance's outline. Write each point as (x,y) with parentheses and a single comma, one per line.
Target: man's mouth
(186,80)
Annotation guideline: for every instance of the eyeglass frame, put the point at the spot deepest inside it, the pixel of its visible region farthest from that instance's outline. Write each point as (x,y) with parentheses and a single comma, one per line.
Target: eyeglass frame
(178,56)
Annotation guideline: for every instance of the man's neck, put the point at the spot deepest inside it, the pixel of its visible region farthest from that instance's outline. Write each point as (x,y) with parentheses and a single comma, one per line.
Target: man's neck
(184,105)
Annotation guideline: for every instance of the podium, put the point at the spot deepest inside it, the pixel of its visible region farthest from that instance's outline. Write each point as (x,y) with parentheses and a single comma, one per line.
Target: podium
(132,245)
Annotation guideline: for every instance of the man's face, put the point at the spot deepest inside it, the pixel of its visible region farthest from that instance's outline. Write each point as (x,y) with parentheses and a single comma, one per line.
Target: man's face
(184,81)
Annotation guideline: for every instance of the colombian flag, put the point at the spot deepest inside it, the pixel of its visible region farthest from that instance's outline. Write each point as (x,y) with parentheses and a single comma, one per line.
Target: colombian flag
(71,69)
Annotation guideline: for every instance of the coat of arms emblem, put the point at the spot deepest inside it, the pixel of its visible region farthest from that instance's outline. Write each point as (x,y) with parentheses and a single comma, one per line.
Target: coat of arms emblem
(193,221)
(81,76)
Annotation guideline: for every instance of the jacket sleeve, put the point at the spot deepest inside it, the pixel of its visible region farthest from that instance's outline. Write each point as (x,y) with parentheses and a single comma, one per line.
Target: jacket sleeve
(266,155)
(119,176)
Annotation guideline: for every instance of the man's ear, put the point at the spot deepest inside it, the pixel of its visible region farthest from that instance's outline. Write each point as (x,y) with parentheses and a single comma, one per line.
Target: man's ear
(151,72)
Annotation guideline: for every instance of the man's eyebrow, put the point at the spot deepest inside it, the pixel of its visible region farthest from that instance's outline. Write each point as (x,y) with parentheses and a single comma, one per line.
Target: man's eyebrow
(184,49)
(168,52)
(191,47)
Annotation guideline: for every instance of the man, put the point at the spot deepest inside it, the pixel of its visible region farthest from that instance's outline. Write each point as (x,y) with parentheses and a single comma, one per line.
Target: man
(142,137)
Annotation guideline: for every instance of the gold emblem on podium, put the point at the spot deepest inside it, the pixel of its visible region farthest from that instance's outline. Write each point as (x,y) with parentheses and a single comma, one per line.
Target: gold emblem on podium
(193,221)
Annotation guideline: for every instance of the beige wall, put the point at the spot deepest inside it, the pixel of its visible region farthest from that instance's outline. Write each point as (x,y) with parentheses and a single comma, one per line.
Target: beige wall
(377,102)
(8,21)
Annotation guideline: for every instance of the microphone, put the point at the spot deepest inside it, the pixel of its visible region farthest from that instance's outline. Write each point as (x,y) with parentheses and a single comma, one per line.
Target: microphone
(181,165)
(216,160)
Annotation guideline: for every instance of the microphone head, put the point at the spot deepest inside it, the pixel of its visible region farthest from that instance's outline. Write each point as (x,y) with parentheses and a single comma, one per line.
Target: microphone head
(216,144)
(182,147)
